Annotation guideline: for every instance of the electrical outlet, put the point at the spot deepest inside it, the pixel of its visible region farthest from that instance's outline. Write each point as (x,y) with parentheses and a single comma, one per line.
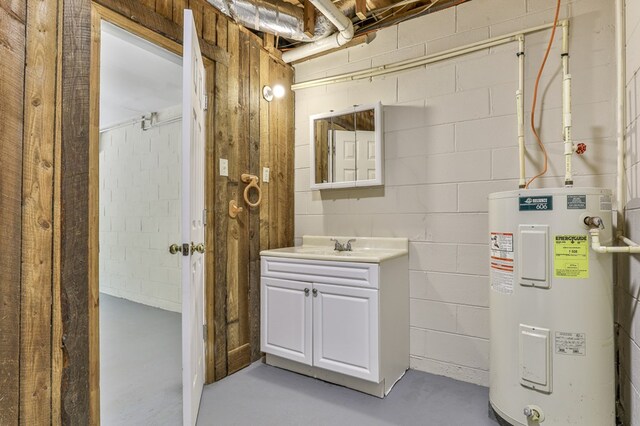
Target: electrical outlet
(224,167)
(265,174)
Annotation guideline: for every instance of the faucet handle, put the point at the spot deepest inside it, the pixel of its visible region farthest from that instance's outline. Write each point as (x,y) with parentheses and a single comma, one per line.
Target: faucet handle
(347,246)
(338,246)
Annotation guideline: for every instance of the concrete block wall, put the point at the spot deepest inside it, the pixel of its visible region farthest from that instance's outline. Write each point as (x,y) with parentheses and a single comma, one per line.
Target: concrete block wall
(140,212)
(450,140)
(628,318)
(628,292)
(633,97)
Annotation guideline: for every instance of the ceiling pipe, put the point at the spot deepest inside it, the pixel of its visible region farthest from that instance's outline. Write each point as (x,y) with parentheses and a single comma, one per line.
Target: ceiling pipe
(342,37)
(278,17)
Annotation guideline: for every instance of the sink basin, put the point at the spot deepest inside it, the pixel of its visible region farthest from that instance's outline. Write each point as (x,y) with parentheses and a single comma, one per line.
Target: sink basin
(366,249)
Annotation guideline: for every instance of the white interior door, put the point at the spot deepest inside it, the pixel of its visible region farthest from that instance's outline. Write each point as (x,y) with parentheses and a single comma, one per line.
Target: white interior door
(345,149)
(193,139)
(366,162)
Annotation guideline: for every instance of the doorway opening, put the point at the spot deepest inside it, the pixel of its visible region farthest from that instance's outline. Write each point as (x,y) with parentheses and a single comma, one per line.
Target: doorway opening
(139,218)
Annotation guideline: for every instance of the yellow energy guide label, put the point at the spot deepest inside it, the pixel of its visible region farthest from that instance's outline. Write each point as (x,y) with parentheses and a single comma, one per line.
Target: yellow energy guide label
(571,256)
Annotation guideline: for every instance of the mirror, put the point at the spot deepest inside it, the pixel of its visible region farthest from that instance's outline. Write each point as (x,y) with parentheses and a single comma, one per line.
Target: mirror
(346,148)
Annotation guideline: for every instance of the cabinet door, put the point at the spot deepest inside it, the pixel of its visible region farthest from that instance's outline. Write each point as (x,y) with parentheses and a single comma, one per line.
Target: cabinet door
(345,330)
(286,319)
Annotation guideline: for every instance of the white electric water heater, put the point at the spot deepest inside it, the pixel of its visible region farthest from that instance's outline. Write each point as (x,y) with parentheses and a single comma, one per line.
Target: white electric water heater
(552,336)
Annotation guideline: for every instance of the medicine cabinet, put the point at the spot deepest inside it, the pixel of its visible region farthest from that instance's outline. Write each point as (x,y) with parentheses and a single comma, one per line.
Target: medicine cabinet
(347,147)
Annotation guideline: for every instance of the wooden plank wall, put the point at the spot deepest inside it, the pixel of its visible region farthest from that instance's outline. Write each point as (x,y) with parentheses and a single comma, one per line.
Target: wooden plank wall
(12,52)
(46,326)
(251,134)
(73,197)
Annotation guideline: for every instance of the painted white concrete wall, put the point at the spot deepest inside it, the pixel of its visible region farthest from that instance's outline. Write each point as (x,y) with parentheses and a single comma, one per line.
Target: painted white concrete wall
(140,212)
(450,140)
(628,292)
(633,97)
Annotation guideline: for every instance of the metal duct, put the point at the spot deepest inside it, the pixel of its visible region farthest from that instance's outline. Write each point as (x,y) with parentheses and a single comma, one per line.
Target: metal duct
(342,37)
(279,18)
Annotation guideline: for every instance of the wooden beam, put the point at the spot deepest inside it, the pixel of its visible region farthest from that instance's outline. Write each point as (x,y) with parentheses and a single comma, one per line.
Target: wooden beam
(265,113)
(37,211)
(12,52)
(309,18)
(94,218)
(244,166)
(57,332)
(274,185)
(74,199)
(209,199)
(361,9)
(221,131)
(255,95)
(289,136)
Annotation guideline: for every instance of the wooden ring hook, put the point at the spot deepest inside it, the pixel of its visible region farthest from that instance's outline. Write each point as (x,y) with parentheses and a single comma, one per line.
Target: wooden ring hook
(252,182)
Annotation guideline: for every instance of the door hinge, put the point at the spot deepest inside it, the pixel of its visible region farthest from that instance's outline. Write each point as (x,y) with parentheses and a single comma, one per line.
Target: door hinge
(204,332)
(204,217)
(206,102)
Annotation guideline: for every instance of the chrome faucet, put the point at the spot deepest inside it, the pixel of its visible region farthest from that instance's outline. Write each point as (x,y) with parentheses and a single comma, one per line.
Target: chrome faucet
(347,246)
(342,247)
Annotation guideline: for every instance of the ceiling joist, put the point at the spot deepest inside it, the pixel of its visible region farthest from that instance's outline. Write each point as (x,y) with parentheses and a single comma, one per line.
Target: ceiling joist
(309,19)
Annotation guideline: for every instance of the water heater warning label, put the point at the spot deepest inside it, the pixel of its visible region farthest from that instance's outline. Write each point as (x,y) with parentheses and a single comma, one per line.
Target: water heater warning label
(571,256)
(571,343)
(576,202)
(501,245)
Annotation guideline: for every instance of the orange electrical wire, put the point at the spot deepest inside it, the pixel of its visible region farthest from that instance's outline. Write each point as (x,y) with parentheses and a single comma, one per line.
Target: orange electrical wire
(535,98)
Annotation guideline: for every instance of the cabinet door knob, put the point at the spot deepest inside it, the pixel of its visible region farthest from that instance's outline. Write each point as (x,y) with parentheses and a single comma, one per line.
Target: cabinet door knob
(315,292)
(306,291)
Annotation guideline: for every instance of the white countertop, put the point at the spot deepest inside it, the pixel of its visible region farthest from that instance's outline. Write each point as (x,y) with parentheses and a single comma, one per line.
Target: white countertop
(364,249)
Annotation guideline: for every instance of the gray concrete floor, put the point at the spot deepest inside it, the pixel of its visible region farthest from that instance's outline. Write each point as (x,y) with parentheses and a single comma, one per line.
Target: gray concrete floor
(265,395)
(141,385)
(140,364)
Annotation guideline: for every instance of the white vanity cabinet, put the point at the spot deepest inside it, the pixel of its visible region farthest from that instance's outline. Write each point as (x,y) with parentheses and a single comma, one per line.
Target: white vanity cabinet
(343,322)
(286,319)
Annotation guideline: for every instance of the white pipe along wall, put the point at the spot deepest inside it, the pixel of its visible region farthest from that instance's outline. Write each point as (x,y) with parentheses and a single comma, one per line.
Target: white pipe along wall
(520,111)
(566,106)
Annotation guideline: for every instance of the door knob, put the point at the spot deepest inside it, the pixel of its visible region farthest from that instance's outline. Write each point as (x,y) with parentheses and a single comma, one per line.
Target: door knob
(175,248)
(306,291)
(197,247)
(315,292)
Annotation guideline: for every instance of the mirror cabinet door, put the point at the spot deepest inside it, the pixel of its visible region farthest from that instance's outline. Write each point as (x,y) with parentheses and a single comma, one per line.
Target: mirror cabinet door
(345,148)
(344,159)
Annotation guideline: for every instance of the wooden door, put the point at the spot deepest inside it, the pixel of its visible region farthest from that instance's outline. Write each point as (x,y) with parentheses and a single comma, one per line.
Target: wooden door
(345,330)
(193,143)
(286,319)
